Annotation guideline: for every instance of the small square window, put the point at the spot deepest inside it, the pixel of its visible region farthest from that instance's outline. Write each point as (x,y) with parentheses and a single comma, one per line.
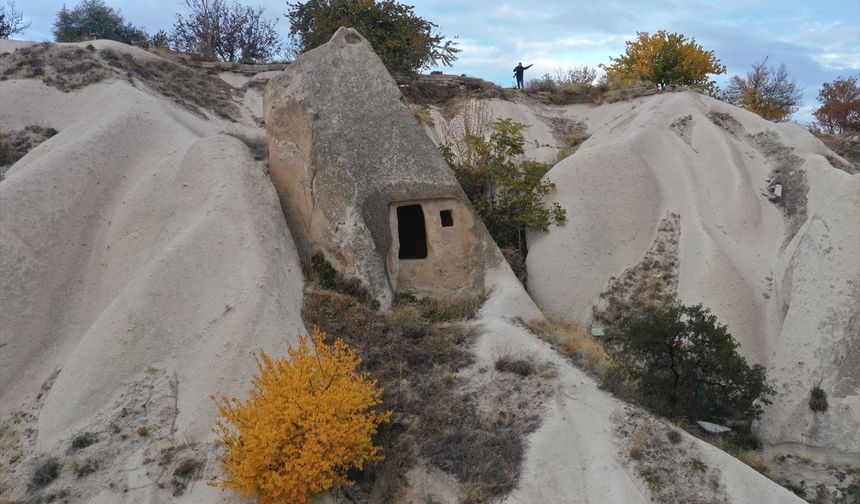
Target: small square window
(447,218)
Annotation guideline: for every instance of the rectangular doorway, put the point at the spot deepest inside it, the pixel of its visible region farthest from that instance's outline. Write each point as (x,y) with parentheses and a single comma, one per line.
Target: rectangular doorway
(411,232)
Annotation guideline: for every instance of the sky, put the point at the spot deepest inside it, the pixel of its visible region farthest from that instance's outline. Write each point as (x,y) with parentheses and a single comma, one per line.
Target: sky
(818,40)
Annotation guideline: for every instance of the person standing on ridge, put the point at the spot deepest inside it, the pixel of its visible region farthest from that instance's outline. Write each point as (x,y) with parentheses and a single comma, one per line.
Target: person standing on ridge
(518,73)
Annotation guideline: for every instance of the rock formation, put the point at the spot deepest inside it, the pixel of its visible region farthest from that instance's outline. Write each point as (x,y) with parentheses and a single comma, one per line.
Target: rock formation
(360,181)
(784,275)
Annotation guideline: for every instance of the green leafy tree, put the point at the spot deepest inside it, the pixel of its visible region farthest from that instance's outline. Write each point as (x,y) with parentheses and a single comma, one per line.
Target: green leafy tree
(840,105)
(404,41)
(507,192)
(767,91)
(687,364)
(160,39)
(662,59)
(94,18)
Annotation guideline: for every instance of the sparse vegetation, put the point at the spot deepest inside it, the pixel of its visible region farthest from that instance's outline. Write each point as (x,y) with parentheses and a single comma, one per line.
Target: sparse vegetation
(574,341)
(186,471)
(651,479)
(818,399)
(322,272)
(143,431)
(416,362)
(85,468)
(663,59)
(568,84)
(450,309)
(45,473)
(517,365)
(422,114)
(15,144)
(83,440)
(70,68)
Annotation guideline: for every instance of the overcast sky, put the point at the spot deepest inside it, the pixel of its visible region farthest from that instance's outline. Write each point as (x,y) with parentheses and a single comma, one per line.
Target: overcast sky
(818,40)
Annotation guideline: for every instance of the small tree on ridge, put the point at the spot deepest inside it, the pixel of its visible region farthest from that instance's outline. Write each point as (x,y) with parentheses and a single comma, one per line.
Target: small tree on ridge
(767,91)
(840,105)
(404,41)
(94,18)
(11,20)
(662,59)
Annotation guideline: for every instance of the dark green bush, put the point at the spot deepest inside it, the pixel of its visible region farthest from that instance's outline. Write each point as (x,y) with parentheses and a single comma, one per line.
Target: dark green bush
(818,399)
(45,473)
(687,365)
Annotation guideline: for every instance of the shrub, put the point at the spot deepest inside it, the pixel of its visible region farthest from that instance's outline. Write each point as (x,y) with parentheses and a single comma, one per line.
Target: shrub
(507,192)
(83,440)
(511,364)
(45,473)
(818,399)
(687,365)
(544,83)
(308,422)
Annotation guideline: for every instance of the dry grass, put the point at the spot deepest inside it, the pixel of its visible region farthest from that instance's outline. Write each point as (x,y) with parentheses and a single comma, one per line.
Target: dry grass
(575,341)
(15,144)
(517,365)
(69,68)
(416,362)
(422,113)
(636,444)
(450,310)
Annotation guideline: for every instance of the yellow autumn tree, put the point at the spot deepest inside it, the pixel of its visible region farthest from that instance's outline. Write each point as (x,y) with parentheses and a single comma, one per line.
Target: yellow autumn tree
(664,58)
(309,420)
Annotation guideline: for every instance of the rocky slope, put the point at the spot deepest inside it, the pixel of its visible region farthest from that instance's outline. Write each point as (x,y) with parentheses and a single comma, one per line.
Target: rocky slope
(145,255)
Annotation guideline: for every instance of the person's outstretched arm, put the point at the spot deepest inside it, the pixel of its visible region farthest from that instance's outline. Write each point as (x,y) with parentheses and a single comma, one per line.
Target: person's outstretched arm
(526,68)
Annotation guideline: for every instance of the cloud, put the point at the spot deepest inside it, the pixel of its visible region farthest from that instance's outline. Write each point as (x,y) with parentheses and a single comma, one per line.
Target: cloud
(818,41)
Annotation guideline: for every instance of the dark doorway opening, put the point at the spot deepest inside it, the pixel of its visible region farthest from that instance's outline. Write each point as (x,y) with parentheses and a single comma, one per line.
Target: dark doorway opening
(447,218)
(411,232)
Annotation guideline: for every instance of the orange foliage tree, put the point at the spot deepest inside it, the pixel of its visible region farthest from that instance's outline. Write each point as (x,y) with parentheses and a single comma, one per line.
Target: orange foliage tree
(840,105)
(664,58)
(309,420)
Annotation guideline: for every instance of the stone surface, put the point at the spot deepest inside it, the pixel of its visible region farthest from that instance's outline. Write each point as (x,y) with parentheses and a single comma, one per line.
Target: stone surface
(784,275)
(344,150)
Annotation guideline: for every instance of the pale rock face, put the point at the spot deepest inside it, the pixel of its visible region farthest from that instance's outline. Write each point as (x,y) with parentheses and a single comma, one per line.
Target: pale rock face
(785,278)
(143,257)
(345,152)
